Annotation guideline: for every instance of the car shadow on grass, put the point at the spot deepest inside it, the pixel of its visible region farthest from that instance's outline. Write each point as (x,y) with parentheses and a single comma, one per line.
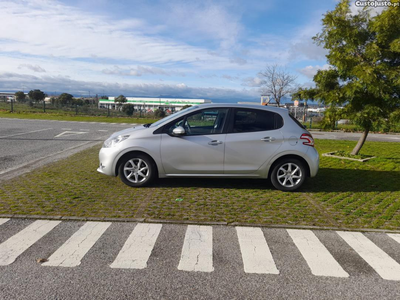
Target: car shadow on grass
(327,180)
(347,180)
(214,183)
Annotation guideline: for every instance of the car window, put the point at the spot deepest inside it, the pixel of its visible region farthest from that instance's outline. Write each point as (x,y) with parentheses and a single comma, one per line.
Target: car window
(249,120)
(166,119)
(208,121)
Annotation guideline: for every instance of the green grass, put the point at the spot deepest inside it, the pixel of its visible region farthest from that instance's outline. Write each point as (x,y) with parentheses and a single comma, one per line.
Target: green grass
(83,114)
(78,118)
(344,193)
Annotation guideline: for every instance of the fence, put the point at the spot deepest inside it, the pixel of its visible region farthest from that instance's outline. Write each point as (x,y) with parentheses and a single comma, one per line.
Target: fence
(86,109)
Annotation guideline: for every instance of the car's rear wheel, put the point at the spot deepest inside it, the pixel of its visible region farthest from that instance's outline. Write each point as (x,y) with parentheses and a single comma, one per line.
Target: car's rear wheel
(137,170)
(288,174)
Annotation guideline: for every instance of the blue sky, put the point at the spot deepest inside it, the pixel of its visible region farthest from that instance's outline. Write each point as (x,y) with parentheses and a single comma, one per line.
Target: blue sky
(198,49)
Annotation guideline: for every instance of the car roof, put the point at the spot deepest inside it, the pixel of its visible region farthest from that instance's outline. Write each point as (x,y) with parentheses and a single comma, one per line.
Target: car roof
(255,106)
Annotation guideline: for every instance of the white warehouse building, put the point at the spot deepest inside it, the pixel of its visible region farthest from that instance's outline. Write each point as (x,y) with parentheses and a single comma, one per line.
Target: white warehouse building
(151,104)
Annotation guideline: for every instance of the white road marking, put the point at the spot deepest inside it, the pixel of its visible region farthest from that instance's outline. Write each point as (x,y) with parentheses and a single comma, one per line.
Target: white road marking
(102,130)
(66,128)
(381,262)
(11,135)
(318,258)
(257,257)
(69,133)
(197,249)
(395,236)
(138,247)
(3,220)
(17,244)
(75,248)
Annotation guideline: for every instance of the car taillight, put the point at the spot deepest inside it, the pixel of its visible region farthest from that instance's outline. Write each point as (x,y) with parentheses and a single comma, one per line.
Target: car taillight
(307,139)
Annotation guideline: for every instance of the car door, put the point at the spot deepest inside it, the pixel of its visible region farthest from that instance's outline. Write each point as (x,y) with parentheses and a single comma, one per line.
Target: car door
(253,138)
(201,149)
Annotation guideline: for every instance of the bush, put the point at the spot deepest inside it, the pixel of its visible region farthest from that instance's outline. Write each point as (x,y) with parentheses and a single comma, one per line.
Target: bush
(159,113)
(128,109)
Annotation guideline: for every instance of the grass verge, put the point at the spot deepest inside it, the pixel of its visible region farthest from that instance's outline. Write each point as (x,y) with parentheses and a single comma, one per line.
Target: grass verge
(344,193)
(78,118)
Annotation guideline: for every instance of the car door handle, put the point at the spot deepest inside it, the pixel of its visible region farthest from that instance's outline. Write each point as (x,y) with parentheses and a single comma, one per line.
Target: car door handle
(268,139)
(214,143)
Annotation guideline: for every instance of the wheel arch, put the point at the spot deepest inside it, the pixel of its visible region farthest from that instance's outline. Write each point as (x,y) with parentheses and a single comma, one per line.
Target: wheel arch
(128,154)
(293,156)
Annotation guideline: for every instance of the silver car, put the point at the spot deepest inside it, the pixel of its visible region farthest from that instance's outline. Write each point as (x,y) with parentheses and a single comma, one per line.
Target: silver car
(214,140)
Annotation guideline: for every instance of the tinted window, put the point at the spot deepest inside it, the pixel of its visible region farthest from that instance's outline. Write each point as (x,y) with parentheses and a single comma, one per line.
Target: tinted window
(208,121)
(248,120)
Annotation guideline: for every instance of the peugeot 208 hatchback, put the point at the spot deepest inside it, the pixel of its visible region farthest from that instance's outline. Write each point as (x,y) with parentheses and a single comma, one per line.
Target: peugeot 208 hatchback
(214,140)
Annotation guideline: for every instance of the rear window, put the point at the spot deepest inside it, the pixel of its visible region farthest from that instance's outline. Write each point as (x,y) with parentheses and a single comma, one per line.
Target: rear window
(250,120)
(296,121)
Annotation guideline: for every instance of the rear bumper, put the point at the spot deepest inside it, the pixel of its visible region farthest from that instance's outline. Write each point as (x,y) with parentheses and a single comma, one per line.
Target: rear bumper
(313,161)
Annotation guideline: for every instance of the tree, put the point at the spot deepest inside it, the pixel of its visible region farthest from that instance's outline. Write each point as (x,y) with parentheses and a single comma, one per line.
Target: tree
(20,96)
(129,109)
(120,100)
(159,113)
(364,55)
(79,102)
(36,95)
(104,97)
(65,99)
(186,106)
(276,82)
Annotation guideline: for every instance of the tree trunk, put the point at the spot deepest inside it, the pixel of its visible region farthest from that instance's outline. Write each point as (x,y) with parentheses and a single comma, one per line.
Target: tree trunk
(360,143)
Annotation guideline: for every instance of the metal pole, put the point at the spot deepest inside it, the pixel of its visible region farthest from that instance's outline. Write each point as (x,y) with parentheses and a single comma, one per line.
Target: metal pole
(44,106)
(12,105)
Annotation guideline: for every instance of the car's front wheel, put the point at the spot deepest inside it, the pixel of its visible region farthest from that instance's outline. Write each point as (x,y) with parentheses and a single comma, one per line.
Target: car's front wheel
(288,174)
(137,170)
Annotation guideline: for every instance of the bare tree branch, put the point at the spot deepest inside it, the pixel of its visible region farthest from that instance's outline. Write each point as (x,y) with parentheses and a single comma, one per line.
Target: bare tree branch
(277,82)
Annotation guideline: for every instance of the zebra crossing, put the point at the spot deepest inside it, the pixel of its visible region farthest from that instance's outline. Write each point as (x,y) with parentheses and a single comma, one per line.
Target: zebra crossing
(197,248)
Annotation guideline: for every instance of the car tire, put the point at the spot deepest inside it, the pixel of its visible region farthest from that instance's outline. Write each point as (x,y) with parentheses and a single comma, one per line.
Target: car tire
(288,174)
(137,170)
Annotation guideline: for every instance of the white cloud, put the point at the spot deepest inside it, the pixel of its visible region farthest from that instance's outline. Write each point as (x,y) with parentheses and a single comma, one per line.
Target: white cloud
(282,50)
(140,70)
(310,71)
(35,68)
(252,82)
(229,77)
(48,28)
(238,60)
(205,19)
(12,81)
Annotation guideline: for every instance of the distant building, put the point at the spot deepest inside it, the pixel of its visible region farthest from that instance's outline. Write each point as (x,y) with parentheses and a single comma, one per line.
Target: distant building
(151,104)
(251,103)
(8,96)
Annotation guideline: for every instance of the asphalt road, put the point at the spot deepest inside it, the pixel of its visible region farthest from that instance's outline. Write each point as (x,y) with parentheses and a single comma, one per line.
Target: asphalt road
(165,276)
(350,136)
(27,144)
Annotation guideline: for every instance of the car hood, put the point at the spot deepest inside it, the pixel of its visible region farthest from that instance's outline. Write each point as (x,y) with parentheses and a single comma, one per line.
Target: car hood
(128,131)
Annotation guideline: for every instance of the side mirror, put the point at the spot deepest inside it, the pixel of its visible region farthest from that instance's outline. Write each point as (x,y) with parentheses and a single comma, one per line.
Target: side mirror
(178,131)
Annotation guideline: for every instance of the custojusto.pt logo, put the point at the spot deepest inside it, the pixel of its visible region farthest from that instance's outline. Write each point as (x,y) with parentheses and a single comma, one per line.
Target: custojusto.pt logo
(377,4)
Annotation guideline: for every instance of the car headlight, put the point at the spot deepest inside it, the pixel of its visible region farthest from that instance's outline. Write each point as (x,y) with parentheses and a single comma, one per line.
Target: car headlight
(112,142)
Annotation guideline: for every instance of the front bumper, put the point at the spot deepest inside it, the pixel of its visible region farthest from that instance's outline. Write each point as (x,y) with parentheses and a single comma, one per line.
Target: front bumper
(107,158)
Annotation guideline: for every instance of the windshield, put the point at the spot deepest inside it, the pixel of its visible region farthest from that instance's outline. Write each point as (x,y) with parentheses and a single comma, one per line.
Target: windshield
(170,117)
